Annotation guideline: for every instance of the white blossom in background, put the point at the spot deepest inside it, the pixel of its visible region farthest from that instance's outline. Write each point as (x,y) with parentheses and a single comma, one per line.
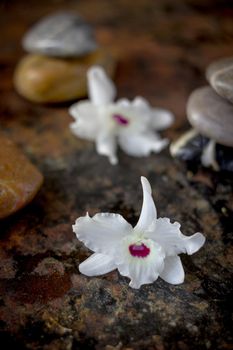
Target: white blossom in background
(132,125)
(142,253)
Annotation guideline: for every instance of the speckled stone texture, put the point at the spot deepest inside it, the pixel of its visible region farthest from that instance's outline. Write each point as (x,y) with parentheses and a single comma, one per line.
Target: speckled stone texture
(45,303)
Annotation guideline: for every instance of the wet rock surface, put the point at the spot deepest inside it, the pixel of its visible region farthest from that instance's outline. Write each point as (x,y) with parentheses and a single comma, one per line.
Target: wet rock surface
(45,303)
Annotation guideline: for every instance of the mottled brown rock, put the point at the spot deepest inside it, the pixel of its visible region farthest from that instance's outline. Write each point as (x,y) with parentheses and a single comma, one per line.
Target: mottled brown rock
(20,180)
(211,115)
(48,79)
(220,76)
(40,306)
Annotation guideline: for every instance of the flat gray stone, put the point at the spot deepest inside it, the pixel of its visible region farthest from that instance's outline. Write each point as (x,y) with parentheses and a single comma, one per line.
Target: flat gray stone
(211,115)
(220,76)
(63,34)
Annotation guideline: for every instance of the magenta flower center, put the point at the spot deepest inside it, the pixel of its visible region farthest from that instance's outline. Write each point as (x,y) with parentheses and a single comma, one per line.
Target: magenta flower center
(120,119)
(141,251)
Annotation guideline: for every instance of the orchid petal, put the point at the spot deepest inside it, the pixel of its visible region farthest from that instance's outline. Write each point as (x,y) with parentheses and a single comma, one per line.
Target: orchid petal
(140,270)
(143,253)
(123,102)
(82,109)
(148,212)
(97,264)
(106,145)
(130,124)
(173,271)
(86,122)
(169,236)
(141,145)
(194,243)
(141,103)
(101,89)
(161,118)
(139,112)
(103,232)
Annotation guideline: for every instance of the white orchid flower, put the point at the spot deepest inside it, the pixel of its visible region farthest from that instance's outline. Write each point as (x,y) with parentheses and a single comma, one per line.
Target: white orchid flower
(131,124)
(142,253)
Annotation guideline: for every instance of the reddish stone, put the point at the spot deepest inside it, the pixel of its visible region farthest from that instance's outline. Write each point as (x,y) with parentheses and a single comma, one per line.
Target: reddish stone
(19,178)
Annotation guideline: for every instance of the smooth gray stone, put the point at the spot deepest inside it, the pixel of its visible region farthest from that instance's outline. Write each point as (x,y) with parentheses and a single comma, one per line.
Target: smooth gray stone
(63,34)
(211,115)
(220,76)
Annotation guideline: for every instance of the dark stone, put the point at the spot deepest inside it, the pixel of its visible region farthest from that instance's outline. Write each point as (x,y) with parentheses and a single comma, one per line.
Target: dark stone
(191,152)
(224,156)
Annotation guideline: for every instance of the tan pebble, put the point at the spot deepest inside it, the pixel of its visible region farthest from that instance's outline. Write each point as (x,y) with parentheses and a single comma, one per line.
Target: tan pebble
(50,80)
(19,178)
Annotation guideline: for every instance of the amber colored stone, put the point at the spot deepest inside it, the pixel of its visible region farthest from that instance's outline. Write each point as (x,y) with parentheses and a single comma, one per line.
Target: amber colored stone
(47,79)
(19,178)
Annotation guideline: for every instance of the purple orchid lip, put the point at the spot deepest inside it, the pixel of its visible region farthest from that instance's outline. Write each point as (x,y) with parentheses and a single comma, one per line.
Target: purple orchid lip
(120,119)
(140,251)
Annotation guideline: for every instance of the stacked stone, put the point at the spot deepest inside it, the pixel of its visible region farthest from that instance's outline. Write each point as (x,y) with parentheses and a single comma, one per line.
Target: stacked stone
(61,49)
(210,112)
